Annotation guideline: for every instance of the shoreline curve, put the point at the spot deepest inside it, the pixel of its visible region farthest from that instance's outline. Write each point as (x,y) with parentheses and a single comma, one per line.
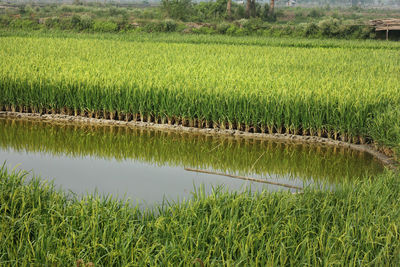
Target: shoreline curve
(386,160)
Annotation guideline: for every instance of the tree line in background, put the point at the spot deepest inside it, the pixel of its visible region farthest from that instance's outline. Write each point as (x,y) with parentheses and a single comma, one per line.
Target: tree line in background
(314,2)
(185,16)
(230,10)
(186,10)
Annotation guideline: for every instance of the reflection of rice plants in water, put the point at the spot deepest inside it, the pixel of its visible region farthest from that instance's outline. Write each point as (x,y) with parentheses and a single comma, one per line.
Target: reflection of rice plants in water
(226,154)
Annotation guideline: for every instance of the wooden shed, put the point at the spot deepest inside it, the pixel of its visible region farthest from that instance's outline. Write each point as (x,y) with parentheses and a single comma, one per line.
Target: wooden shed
(386,25)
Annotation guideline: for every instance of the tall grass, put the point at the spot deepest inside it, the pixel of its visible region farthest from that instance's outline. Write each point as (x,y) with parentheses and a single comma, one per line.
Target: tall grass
(331,92)
(357,224)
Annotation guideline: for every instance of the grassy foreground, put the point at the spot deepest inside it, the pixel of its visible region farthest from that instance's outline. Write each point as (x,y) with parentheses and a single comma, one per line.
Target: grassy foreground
(354,225)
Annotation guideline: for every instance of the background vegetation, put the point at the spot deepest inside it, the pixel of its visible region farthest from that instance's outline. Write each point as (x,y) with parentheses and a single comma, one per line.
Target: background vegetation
(185,16)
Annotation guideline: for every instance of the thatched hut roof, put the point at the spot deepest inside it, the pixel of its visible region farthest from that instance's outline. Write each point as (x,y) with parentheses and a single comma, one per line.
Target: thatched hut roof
(386,24)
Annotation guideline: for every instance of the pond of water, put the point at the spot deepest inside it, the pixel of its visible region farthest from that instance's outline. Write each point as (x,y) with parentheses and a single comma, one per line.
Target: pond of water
(148,165)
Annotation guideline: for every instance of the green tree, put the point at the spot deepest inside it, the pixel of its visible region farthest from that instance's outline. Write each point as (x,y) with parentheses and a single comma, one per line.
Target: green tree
(178,9)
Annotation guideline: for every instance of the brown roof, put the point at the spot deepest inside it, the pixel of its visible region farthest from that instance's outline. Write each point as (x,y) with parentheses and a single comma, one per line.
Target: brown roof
(385,24)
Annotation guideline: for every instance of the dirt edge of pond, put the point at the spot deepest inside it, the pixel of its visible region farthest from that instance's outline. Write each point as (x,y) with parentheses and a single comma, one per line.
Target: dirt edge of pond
(382,157)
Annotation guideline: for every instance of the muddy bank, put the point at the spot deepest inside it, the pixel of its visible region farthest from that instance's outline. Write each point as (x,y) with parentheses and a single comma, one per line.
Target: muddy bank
(58,118)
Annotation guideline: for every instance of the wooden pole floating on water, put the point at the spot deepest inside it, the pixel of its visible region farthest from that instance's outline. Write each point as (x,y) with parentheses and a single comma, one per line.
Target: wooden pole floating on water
(244,178)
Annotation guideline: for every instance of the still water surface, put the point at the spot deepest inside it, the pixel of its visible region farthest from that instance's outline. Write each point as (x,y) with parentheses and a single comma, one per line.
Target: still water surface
(148,165)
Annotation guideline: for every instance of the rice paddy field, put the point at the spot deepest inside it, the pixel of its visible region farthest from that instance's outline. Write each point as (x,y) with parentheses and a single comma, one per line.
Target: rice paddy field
(340,90)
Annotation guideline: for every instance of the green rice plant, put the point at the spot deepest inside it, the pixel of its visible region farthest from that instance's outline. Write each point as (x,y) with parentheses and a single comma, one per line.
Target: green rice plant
(211,39)
(327,91)
(356,224)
